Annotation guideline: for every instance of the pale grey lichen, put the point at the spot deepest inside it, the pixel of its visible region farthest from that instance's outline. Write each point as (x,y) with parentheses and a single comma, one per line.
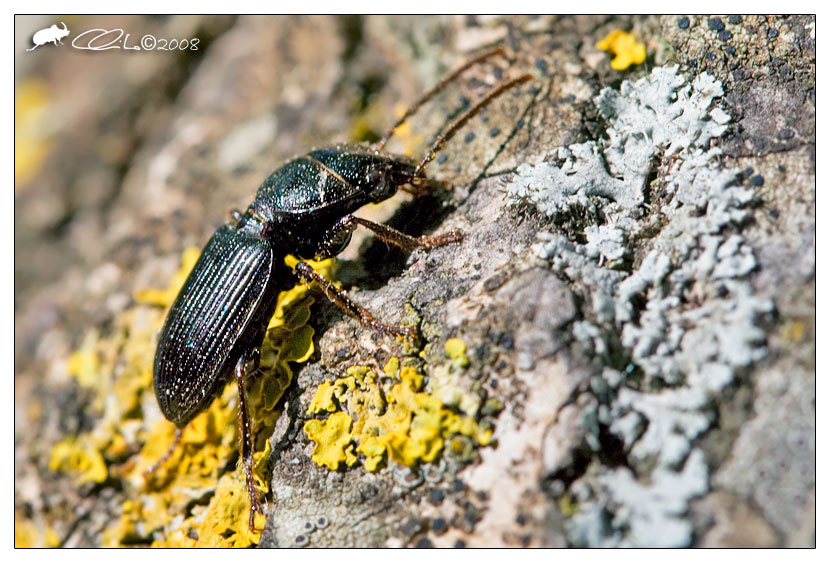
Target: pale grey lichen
(686,314)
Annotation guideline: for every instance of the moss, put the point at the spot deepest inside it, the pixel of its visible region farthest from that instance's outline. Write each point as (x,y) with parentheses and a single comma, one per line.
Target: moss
(625,46)
(130,435)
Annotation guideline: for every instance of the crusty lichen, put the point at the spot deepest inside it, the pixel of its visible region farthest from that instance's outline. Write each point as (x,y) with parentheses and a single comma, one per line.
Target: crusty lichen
(191,499)
(398,422)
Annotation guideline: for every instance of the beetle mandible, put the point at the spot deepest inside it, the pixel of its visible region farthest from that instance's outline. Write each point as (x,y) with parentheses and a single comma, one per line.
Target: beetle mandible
(217,323)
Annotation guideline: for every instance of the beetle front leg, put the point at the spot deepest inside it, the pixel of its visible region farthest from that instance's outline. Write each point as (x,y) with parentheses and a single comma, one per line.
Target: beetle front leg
(307,274)
(342,231)
(245,436)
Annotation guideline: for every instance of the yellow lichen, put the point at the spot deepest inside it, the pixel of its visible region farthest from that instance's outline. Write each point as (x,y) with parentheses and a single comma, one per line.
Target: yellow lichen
(332,440)
(27,535)
(323,399)
(83,364)
(401,423)
(625,46)
(165,297)
(457,350)
(223,523)
(446,381)
(131,435)
(81,460)
(33,130)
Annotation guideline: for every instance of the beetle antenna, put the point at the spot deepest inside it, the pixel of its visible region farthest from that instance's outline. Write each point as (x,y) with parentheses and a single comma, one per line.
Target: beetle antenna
(456,125)
(435,89)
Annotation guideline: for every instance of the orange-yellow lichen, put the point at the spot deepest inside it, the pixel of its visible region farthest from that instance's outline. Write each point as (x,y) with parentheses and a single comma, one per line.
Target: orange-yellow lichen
(625,46)
(165,297)
(401,423)
(332,440)
(457,350)
(446,380)
(131,434)
(83,364)
(323,399)
(32,129)
(27,535)
(83,460)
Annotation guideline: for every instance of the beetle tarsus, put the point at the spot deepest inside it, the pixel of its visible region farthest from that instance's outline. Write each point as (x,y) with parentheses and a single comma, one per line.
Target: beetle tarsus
(422,186)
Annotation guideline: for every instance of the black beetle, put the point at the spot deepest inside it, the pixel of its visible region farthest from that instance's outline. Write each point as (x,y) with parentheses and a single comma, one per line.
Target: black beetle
(218,321)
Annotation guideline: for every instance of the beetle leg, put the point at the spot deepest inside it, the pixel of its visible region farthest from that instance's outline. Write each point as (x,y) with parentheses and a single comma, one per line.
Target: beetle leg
(342,230)
(402,240)
(245,437)
(307,274)
(176,441)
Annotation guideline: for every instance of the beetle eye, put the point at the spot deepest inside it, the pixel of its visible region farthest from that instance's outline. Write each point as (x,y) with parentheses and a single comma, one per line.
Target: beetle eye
(373,177)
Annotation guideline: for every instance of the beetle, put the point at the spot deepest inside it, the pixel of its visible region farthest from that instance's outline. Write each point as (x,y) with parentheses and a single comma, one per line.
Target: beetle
(218,321)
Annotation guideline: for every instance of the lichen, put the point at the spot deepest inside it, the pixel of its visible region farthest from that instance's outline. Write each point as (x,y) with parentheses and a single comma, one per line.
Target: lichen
(28,535)
(398,422)
(332,440)
(75,457)
(684,314)
(33,105)
(131,435)
(627,50)
(447,381)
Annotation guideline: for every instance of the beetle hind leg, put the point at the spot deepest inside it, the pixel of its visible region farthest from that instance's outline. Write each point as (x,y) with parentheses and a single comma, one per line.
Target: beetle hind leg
(246,437)
(177,440)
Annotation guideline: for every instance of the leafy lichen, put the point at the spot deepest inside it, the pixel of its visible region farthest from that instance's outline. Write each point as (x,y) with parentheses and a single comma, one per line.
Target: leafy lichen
(627,50)
(400,423)
(131,435)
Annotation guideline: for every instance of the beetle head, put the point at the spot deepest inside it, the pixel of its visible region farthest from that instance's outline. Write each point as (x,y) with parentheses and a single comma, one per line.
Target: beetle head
(385,175)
